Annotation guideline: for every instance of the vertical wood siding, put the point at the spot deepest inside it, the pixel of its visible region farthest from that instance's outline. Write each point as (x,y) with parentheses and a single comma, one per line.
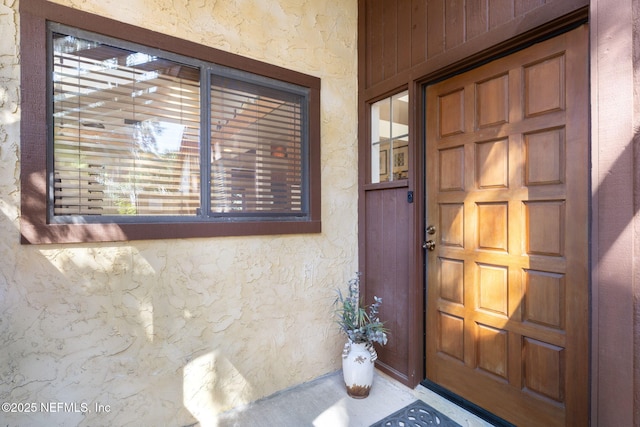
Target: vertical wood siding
(387,274)
(401,34)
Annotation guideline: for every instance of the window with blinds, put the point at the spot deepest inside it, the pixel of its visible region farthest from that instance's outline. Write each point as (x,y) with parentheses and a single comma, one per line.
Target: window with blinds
(130,140)
(256,158)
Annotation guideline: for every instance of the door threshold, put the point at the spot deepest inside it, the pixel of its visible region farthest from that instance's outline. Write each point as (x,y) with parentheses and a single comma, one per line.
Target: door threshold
(466,405)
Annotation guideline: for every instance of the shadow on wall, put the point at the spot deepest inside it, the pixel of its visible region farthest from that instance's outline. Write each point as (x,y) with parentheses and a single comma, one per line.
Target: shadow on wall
(626,168)
(614,300)
(118,327)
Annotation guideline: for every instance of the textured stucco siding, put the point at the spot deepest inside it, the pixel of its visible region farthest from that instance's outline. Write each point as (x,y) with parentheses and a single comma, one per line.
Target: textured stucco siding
(175,332)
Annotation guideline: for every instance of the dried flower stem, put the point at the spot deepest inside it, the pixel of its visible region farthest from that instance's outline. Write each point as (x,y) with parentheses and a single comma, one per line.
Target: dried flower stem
(361,324)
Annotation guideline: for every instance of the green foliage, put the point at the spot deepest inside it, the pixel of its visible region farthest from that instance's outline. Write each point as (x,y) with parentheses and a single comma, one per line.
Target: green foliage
(361,324)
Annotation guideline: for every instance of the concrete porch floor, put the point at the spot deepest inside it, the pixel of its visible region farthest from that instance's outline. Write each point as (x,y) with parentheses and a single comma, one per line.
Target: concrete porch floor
(324,402)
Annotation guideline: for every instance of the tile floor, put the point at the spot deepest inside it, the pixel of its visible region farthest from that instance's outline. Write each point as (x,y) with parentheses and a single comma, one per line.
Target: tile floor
(324,402)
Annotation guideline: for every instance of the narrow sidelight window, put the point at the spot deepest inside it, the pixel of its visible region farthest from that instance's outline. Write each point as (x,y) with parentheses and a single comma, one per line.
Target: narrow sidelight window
(390,138)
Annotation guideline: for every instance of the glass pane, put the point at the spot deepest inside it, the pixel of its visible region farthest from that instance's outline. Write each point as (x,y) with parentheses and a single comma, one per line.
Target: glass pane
(256,149)
(379,153)
(389,138)
(400,159)
(400,111)
(126,131)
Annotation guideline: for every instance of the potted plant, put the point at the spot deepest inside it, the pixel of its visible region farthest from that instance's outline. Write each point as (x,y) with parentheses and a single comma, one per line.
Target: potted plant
(363,327)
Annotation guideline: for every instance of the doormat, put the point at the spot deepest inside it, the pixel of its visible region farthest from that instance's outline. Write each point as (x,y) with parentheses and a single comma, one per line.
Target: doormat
(416,414)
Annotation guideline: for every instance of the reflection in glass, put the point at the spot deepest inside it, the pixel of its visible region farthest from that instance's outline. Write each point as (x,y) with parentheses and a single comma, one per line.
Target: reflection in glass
(390,138)
(126,131)
(257,143)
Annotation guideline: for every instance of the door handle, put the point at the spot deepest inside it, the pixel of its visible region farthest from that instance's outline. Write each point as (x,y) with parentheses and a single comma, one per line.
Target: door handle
(429,244)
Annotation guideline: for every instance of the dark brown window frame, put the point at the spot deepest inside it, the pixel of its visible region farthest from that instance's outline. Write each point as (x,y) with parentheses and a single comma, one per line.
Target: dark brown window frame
(34,226)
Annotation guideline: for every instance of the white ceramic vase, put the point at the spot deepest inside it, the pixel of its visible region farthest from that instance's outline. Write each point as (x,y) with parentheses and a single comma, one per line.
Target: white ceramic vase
(358,360)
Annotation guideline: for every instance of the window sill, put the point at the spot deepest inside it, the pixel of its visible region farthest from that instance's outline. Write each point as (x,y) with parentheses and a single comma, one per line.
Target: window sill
(39,233)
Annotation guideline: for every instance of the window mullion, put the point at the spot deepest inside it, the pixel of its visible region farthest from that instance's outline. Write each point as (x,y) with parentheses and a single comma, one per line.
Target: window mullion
(50,131)
(205,141)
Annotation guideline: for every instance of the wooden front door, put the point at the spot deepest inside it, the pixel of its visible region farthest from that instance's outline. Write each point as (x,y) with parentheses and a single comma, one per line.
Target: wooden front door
(507,270)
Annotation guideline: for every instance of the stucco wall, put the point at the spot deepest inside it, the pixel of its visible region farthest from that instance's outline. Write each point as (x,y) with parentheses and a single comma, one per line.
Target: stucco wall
(174,332)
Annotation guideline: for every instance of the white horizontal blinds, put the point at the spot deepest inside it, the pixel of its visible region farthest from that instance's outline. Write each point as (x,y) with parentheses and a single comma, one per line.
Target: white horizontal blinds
(126,132)
(256,144)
